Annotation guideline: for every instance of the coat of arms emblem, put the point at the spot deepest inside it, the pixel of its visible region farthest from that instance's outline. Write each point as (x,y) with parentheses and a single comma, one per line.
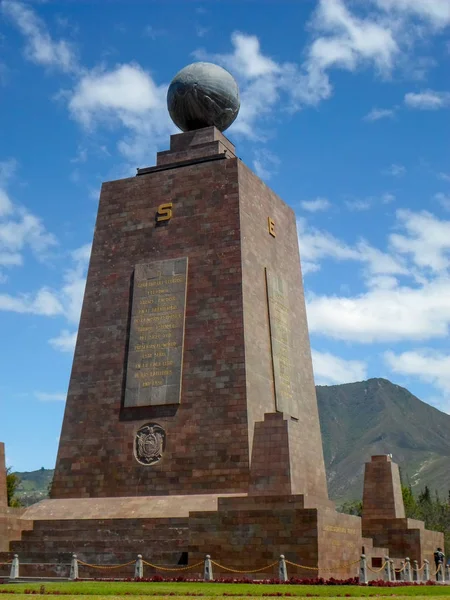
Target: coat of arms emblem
(150,444)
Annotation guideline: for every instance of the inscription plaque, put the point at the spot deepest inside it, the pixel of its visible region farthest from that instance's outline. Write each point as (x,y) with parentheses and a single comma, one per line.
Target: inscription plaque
(155,351)
(285,375)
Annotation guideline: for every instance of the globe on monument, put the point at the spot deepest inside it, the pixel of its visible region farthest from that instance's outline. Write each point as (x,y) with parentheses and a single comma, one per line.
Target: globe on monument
(203,94)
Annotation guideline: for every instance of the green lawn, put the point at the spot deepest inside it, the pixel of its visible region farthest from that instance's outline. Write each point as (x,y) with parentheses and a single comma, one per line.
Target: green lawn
(213,590)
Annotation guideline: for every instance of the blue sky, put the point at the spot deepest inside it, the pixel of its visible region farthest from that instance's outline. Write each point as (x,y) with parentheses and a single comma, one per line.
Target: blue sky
(345,114)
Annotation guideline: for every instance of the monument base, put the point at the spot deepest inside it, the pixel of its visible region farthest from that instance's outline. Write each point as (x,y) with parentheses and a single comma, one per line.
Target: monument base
(242,533)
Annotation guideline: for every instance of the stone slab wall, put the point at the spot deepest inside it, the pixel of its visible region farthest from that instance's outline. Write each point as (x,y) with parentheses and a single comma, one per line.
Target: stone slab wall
(207,448)
(278,255)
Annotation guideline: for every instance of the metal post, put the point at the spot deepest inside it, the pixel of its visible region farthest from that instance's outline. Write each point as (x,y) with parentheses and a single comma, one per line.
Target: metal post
(139,567)
(73,567)
(426,570)
(408,569)
(207,570)
(387,569)
(447,572)
(363,570)
(415,570)
(391,565)
(14,573)
(282,570)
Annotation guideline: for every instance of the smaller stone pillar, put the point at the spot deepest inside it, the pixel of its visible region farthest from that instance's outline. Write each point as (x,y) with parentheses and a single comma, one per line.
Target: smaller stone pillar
(415,571)
(282,571)
(14,573)
(363,570)
(387,569)
(447,572)
(408,569)
(207,569)
(426,570)
(74,567)
(139,568)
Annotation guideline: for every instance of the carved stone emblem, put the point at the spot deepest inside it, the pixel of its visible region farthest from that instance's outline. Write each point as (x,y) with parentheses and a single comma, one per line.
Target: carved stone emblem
(149,444)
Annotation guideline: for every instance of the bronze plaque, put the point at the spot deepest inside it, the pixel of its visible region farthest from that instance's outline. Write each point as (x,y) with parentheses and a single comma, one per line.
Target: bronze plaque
(285,375)
(155,352)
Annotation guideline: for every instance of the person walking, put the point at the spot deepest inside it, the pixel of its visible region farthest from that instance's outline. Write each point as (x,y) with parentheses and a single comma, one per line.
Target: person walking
(439,559)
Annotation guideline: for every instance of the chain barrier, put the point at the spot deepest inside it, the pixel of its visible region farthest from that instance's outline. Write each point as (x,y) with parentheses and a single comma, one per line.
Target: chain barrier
(6,563)
(419,568)
(245,570)
(401,569)
(106,567)
(377,570)
(438,569)
(171,568)
(338,568)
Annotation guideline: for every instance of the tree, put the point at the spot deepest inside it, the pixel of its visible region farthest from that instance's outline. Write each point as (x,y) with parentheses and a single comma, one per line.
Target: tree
(12,483)
(409,500)
(351,507)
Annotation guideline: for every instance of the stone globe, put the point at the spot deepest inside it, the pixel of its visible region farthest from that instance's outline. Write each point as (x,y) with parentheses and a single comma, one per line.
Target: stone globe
(203,94)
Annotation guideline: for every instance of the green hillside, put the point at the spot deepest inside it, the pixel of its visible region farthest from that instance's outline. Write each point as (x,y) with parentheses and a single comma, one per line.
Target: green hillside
(34,485)
(357,420)
(377,417)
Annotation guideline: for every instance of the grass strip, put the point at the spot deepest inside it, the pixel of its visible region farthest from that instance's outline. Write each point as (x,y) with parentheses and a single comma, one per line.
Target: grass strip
(216,590)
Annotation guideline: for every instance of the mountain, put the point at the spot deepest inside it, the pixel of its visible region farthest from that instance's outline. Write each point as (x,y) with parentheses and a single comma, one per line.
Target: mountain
(378,417)
(357,420)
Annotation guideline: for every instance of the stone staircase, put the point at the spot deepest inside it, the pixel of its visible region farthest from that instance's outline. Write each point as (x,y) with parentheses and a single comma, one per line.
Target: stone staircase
(46,550)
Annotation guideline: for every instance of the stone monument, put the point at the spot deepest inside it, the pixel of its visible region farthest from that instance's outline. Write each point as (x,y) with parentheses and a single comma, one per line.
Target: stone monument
(191,425)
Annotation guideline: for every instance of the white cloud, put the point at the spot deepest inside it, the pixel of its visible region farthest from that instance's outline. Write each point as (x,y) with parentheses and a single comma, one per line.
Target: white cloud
(387,312)
(387,198)
(426,364)
(444,176)
(247,59)
(64,302)
(6,206)
(19,229)
(127,89)
(65,342)
(7,170)
(443,199)
(351,40)
(437,12)
(43,302)
(330,369)
(426,240)
(265,163)
(379,113)
(428,100)
(127,96)
(383,315)
(316,205)
(358,205)
(40,47)
(316,245)
(46,397)
(395,170)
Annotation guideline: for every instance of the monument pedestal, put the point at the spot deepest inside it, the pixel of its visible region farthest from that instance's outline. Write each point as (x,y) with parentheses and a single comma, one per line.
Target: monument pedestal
(383,517)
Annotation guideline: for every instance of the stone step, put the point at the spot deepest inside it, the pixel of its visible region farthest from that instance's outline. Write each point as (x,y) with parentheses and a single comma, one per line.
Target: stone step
(172,533)
(115,524)
(138,546)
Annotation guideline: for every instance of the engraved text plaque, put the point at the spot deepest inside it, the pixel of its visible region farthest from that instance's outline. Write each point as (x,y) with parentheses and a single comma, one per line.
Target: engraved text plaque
(155,352)
(285,375)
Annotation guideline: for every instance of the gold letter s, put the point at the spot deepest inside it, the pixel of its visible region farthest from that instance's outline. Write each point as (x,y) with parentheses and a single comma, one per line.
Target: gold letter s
(164,212)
